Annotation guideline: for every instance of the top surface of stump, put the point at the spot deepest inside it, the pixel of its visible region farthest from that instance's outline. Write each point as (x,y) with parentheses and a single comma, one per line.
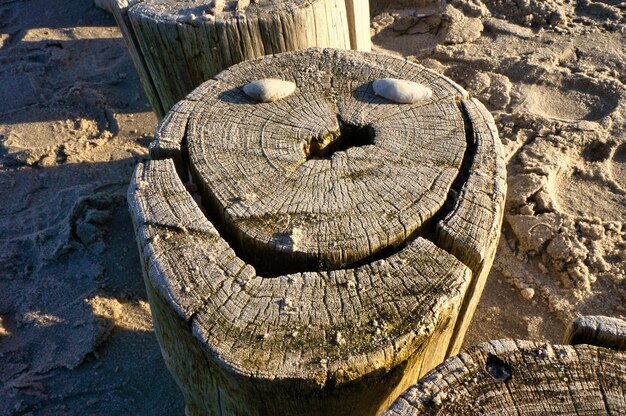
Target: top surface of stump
(514,377)
(218,9)
(333,173)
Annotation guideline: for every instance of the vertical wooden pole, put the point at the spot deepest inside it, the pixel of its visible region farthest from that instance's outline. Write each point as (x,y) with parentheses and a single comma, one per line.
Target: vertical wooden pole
(359,24)
(177,47)
(304,282)
(119,10)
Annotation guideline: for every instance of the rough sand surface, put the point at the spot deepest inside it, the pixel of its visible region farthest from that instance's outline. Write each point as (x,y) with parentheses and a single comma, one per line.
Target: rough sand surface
(552,73)
(75,329)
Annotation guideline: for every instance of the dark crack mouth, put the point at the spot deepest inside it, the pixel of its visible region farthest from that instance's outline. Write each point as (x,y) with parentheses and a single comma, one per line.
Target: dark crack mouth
(323,147)
(349,135)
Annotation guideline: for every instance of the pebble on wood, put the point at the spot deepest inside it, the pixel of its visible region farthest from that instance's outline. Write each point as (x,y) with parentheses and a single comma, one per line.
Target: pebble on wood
(401,91)
(267,90)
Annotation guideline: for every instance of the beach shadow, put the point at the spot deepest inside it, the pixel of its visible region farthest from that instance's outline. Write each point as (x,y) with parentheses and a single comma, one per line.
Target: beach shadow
(51,59)
(412,34)
(236,96)
(76,336)
(18,17)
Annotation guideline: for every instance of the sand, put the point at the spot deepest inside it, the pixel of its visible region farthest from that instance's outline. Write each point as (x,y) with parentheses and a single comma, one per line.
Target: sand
(75,329)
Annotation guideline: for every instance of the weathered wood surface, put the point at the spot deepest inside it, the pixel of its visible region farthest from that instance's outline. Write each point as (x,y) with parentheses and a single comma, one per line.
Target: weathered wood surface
(471,229)
(358,12)
(509,377)
(603,331)
(119,10)
(353,297)
(177,45)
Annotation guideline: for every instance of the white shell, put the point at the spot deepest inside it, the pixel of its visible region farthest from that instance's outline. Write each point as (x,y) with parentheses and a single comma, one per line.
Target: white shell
(401,91)
(267,90)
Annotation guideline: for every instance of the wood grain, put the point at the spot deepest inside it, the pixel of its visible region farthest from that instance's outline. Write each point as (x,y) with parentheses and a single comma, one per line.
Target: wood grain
(119,10)
(358,12)
(603,331)
(471,229)
(323,342)
(324,270)
(177,45)
(507,377)
(269,172)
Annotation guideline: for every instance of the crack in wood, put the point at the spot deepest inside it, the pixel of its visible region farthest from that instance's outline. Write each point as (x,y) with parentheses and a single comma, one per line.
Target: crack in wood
(356,135)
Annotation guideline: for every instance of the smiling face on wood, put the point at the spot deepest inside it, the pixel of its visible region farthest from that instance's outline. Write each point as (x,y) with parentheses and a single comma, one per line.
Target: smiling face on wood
(329,172)
(342,237)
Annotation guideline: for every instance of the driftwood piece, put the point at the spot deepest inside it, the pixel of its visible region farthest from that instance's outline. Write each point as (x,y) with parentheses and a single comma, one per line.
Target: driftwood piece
(509,377)
(602,331)
(315,281)
(177,45)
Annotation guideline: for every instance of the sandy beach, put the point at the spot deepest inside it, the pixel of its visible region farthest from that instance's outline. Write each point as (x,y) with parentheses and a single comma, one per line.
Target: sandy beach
(75,329)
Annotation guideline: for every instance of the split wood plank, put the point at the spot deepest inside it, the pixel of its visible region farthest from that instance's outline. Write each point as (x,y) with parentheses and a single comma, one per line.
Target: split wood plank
(316,324)
(508,377)
(472,228)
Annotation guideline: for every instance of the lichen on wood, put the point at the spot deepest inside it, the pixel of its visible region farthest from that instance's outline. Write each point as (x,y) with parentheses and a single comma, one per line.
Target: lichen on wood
(312,279)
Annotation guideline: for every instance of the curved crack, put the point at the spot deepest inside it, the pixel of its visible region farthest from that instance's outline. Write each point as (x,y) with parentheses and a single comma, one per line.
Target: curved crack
(352,136)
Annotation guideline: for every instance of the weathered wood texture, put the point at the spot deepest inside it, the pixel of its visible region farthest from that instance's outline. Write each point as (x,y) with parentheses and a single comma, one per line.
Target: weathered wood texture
(177,45)
(471,229)
(602,331)
(358,12)
(315,281)
(119,9)
(509,377)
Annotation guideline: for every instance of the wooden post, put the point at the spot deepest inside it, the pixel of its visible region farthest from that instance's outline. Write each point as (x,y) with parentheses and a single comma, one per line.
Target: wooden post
(602,331)
(119,9)
(177,45)
(509,377)
(358,12)
(339,240)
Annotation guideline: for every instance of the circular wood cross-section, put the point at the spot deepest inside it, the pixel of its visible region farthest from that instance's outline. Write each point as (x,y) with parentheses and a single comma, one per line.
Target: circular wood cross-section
(509,377)
(342,242)
(331,174)
(603,331)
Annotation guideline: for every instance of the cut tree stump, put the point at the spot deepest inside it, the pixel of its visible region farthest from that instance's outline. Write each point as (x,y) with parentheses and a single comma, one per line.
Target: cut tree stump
(340,239)
(509,377)
(603,331)
(177,45)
